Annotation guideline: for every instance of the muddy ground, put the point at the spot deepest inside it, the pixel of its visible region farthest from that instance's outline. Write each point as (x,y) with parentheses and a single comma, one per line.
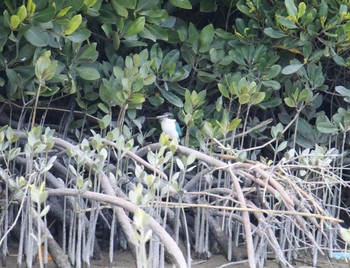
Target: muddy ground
(123,259)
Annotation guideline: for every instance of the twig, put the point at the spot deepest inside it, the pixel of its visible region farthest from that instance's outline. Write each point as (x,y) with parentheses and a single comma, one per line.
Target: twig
(242,134)
(138,159)
(231,263)
(267,175)
(268,211)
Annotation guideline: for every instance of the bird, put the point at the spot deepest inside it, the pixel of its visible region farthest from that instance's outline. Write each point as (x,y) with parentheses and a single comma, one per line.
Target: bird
(169,125)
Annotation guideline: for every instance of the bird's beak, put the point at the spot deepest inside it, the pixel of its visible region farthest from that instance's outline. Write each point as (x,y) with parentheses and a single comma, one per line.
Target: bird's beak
(152,118)
(160,116)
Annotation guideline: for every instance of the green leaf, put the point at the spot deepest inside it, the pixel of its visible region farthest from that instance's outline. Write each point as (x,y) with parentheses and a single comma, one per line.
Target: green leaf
(292,68)
(282,146)
(190,159)
(206,77)
(118,72)
(15,21)
(172,98)
(301,9)
(145,5)
(170,60)
(137,98)
(103,107)
(206,37)
(185,4)
(89,3)
(88,73)
(223,90)
(22,12)
(149,79)
(307,49)
(105,121)
(238,56)
(291,8)
(323,9)
(30,8)
(305,95)
(136,26)
(63,12)
(156,100)
(243,98)
(290,102)
(337,58)
(154,32)
(116,40)
(228,59)
(272,84)
(120,9)
(326,128)
(188,55)
(208,129)
(37,36)
(276,131)
(45,68)
(35,194)
(271,103)
(72,86)
(234,124)
(273,33)
(193,36)
(180,164)
(131,4)
(45,15)
(76,4)
(79,36)
(223,34)
(134,43)
(13,76)
(343,91)
(216,55)
(107,94)
(73,24)
(286,22)
(89,53)
(257,98)
(245,9)
(274,71)
(306,131)
(45,211)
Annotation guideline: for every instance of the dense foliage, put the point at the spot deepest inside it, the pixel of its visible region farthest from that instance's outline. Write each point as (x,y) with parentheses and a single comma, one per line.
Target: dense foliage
(238,61)
(250,80)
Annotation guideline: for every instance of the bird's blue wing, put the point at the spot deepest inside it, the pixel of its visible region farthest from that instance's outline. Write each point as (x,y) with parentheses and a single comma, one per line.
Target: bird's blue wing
(178,129)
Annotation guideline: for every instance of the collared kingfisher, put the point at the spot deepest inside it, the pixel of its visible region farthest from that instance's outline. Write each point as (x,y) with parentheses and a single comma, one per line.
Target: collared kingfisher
(169,125)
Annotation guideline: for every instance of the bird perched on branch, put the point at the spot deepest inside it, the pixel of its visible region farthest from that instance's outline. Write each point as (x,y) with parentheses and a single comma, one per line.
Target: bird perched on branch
(169,125)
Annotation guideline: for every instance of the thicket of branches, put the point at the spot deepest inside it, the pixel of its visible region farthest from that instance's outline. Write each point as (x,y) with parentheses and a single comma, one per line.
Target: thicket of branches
(258,87)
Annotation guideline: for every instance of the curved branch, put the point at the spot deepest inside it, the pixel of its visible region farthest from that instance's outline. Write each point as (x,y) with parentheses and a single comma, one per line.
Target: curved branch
(185,150)
(121,203)
(246,220)
(107,188)
(229,169)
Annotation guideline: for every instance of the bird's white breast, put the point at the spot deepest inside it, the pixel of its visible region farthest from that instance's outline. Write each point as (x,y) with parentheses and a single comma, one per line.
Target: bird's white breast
(169,127)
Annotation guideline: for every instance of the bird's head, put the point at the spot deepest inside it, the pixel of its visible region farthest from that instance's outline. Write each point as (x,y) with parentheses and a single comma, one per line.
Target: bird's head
(166,115)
